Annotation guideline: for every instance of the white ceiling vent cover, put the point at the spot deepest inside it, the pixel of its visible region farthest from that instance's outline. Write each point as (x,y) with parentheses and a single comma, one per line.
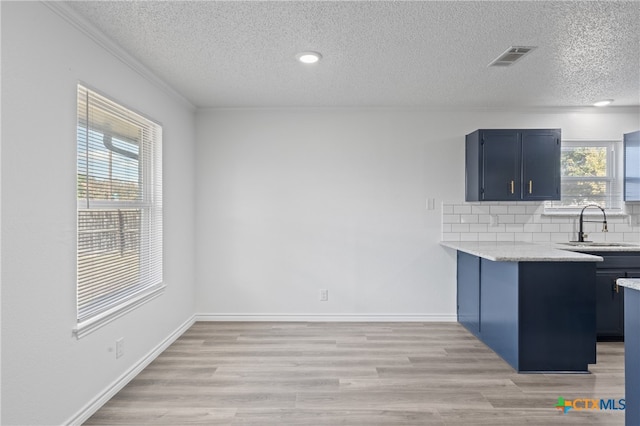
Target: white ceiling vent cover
(511,56)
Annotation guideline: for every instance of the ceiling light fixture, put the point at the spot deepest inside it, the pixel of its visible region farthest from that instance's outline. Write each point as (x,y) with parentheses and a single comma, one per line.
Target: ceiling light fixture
(603,102)
(308,57)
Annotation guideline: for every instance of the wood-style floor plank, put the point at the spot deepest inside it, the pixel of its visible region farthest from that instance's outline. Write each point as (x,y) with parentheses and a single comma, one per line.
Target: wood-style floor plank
(316,374)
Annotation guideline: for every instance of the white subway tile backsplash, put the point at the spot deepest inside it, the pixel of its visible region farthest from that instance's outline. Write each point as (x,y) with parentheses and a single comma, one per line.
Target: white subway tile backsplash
(451,218)
(524,236)
(487,236)
(469,218)
(541,236)
(505,236)
(621,227)
(513,227)
(560,237)
(469,236)
(550,227)
(609,236)
(532,227)
(568,228)
(462,209)
(484,218)
(497,228)
(478,227)
(632,237)
(507,218)
(533,209)
(459,227)
(499,209)
(524,221)
(480,209)
(517,209)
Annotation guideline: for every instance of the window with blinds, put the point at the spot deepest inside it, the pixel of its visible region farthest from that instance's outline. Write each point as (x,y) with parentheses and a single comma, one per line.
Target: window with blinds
(119,191)
(589,175)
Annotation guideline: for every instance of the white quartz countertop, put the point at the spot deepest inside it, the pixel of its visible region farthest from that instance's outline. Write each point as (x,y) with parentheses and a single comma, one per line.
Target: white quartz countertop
(519,251)
(633,283)
(597,247)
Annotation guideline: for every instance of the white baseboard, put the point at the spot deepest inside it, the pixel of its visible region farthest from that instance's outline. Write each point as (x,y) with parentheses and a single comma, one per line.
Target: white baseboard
(93,406)
(329,317)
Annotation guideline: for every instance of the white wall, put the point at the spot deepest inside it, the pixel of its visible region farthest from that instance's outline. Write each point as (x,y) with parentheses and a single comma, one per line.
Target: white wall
(292,202)
(47,375)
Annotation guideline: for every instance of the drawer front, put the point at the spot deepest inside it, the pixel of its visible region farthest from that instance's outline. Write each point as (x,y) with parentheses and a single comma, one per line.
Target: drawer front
(619,261)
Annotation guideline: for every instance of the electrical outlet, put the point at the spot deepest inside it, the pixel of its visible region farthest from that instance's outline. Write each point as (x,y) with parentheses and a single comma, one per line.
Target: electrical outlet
(493,221)
(119,347)
(431,203)
(324,295)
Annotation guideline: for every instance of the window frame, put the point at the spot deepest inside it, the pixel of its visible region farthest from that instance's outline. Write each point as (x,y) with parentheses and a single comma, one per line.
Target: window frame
(613,178)
(147,285)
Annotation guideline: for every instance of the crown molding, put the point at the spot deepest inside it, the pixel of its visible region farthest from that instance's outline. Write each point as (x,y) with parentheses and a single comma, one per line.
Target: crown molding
(437,109)
(88,29)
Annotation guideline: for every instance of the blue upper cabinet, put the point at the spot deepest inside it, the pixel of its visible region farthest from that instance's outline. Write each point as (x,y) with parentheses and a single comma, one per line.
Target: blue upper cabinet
(513,165)
(632,166)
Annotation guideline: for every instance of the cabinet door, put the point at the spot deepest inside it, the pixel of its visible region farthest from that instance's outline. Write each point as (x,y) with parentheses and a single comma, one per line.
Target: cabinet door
(609,306)
(469,292)
(632,166)
(500,165)
(540,165)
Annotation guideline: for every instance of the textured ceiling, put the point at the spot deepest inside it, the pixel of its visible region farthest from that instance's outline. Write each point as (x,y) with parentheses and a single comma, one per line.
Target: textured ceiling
(429,53)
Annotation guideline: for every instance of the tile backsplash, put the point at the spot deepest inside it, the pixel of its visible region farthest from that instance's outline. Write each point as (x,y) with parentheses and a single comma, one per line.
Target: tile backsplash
(526,221)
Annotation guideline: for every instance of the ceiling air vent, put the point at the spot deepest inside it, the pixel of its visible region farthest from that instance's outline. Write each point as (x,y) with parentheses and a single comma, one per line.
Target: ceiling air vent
(511,56)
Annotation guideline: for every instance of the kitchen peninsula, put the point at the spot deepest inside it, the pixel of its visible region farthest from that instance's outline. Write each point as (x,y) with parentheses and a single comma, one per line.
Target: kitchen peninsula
(534,305)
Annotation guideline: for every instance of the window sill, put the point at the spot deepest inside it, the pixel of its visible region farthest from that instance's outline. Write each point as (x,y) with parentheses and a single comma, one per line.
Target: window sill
(576,212)
(89,326)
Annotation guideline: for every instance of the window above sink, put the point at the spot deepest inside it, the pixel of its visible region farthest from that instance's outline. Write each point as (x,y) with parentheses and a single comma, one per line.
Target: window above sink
(590,174)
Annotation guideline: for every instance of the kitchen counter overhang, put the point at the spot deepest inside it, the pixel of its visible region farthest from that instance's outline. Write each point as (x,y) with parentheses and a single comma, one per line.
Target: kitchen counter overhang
(520,251)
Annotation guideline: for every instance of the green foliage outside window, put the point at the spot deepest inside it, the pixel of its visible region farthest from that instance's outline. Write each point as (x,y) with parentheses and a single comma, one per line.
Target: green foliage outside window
(584,162)
(585,176)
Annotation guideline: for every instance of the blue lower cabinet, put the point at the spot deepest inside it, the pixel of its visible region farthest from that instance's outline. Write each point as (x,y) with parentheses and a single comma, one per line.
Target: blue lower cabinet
(469,292)
(632,357)
(500,309)
(538,316)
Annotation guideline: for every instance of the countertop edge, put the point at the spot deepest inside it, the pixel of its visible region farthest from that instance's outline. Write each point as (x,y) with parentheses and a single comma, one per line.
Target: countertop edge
(632,283)
(519,252)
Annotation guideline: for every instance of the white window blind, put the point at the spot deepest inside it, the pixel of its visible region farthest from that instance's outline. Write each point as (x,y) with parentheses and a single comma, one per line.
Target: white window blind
(119,191)
(589,175)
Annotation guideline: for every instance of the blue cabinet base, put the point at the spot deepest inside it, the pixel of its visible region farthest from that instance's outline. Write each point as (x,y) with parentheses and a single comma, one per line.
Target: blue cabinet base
(538,316)
(632,357)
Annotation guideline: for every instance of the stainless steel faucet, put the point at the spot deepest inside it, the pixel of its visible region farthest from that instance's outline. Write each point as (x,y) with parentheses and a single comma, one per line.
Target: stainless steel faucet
(581,234)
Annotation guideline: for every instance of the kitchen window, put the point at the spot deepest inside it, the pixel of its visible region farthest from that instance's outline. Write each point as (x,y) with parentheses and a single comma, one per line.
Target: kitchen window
(119,210)
(590,174)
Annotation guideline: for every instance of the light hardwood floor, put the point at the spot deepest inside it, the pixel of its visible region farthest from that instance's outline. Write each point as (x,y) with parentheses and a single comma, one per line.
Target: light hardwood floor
(352,374)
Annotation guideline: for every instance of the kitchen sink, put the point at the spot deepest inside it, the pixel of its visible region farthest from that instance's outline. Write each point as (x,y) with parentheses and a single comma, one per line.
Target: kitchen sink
(597,244)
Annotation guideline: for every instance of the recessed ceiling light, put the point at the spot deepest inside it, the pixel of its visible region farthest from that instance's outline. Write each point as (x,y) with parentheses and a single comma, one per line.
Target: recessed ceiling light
(308,57)
(603,102)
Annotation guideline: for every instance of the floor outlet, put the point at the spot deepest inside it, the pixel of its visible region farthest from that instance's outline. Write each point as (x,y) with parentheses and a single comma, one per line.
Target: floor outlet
(324,295)
(119,347)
